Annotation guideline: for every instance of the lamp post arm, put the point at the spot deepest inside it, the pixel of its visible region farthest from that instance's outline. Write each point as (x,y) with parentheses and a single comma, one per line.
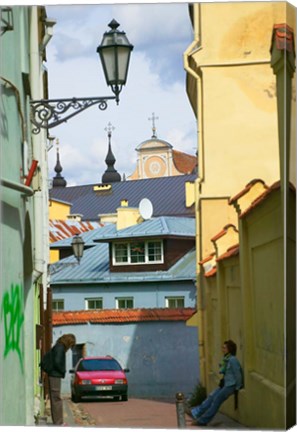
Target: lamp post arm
(49,113)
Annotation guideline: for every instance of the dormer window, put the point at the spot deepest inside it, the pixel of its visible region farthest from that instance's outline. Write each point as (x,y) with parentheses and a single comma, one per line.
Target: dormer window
(138,252)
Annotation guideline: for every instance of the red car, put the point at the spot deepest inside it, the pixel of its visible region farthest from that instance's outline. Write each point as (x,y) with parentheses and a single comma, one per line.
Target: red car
(99,376)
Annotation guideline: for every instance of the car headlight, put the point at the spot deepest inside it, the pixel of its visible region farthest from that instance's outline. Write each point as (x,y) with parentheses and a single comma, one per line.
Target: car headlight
(86,381)
(119,381)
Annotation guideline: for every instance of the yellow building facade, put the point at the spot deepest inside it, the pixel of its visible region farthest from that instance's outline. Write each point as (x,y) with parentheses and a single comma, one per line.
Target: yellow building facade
(233,91)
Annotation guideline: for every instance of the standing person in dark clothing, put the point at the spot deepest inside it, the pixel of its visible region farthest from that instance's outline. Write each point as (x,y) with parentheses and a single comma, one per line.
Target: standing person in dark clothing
(58,370)
(231,382)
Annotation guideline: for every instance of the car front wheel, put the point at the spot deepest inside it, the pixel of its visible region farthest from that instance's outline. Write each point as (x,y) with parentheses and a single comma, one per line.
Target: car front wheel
(75,398)
(125,397)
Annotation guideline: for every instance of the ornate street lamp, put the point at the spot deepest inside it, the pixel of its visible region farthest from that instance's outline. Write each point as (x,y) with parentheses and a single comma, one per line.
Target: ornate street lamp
(114,52)
(78,247)
(78,251)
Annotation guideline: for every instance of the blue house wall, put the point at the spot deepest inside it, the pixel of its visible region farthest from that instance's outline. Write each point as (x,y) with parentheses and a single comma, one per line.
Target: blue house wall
(162,356)
(145,295)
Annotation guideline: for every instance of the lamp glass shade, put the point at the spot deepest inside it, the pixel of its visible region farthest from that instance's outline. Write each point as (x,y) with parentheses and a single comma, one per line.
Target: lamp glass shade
(114,51)
(78,246)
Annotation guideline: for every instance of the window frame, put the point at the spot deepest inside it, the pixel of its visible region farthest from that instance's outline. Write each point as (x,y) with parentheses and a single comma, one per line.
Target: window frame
(93,299)
(146,252)
(56,301)
(117,299)
(175,298)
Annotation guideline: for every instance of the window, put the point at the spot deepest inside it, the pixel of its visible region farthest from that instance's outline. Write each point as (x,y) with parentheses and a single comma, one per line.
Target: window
(124,303)
(154,251)
(121,252)
(138,252)
(94,303)
(175,302)
(58,305)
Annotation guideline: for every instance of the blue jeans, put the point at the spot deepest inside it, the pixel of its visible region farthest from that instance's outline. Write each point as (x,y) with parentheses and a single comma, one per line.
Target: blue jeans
(207,410)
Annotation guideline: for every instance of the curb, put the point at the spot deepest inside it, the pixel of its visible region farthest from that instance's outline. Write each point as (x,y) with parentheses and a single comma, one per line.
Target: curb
(68,414)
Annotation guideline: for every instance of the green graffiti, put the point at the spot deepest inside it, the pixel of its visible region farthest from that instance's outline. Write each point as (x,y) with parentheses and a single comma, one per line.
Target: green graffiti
(12,312)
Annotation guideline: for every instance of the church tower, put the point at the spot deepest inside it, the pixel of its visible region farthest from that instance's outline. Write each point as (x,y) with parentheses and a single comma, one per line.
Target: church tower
(157,158)
(58,180)
(111,175)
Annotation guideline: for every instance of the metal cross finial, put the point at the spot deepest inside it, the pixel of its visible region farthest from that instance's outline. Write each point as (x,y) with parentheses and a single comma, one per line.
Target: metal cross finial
(153,118)
(109,128)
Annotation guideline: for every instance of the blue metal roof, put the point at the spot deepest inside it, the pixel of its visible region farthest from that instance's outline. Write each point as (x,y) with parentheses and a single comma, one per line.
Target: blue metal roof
(88,237)
(94,269)
(167,195)
(155,227)
(94,265)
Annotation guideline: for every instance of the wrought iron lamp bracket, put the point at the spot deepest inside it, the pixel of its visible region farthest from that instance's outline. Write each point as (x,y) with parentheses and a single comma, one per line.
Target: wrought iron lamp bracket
(49,113)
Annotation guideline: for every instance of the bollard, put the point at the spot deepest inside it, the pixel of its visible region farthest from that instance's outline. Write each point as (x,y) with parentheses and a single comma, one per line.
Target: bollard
(180,410)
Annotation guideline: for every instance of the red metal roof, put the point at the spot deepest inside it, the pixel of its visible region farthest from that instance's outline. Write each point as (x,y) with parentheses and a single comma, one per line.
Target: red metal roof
(106,316)
(61,229)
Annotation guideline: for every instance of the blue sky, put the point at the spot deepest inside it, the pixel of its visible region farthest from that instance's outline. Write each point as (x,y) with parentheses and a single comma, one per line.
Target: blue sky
(160,34)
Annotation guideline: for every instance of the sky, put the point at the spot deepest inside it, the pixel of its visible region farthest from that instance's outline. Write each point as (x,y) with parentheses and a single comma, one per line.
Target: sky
(160,34)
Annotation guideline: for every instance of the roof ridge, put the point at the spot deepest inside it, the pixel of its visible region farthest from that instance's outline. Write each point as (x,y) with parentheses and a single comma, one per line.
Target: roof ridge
(122,315)
(179,177)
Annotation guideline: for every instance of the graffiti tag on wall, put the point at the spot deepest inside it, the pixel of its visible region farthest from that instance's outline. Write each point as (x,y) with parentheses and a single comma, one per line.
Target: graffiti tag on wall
(12,313)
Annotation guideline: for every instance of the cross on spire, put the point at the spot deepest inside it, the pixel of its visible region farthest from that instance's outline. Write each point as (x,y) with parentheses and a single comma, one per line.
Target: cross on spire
(153,118)
(109,128)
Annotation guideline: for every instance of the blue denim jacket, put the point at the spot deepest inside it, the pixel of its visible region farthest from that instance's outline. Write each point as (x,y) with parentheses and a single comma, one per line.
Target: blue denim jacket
(233,374)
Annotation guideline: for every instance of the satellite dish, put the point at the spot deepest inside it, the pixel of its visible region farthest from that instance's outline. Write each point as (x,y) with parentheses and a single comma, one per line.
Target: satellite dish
(146,208)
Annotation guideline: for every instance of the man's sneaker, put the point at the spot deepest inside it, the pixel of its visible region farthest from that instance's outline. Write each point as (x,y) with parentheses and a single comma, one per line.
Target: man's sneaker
(196,422)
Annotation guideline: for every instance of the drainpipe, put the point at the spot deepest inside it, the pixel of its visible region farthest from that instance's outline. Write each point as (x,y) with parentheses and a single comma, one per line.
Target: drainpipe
(38,141)
(194,48)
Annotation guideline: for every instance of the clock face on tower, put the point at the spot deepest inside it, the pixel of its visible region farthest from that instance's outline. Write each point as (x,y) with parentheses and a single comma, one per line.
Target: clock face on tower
(154,166)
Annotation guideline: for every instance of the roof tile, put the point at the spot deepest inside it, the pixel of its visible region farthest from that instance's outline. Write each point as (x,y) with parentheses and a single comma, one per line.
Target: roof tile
(246,189)
(184,162)
(223,232)
(275,186)
(231,251)
(106,316)
(211,272)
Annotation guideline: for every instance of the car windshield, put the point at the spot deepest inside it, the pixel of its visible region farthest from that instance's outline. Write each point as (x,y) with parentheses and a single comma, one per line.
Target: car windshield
(99,365)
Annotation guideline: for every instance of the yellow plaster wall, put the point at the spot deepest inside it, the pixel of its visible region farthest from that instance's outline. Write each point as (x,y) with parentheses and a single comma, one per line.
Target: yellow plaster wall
(190,193)
(213,215)
(245,302)
(58,210)
(127,216)
(243,145)
(231,87)
(54,256)
(228,239)
(236,93)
